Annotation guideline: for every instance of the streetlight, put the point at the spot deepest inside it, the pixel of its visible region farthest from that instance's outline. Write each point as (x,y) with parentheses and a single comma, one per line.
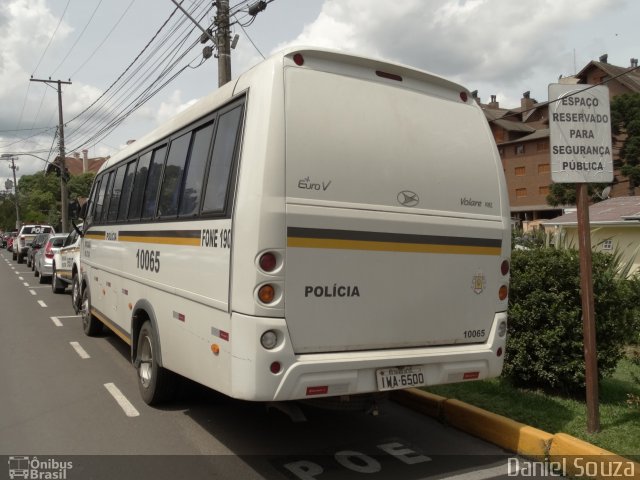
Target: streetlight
(13,167)
(64,201)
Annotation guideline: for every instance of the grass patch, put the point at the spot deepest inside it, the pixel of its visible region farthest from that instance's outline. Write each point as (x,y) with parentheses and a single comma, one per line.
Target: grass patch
(619,423)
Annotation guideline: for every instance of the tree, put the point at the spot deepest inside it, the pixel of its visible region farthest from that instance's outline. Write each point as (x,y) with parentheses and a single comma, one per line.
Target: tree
(39,196)
(80,185)
(566,193)
(625,121)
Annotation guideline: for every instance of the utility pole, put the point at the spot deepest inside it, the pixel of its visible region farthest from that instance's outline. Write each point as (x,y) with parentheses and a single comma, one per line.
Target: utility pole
(15,188)
(64,194)
(223,42)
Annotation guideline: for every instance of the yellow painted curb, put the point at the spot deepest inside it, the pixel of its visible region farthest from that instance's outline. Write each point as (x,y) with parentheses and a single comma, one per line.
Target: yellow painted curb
(576,457)
(504,432)
(581,459)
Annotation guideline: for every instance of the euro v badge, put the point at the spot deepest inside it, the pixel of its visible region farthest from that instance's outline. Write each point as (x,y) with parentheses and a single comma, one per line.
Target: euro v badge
(580,134)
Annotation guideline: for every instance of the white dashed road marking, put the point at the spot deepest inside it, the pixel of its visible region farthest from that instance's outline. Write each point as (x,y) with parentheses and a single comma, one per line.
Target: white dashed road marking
(125,404)
(79,350)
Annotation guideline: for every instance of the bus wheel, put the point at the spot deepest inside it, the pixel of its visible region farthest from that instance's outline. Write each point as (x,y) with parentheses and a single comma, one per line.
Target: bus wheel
(156,384)
(90,324)
(76,299)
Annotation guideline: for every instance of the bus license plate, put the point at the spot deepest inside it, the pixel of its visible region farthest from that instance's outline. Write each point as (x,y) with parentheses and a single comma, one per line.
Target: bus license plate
(400,377)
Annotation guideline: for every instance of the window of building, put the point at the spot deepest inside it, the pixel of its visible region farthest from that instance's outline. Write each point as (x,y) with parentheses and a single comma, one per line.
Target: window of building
(521,171)
(521,192)
(501,151)
(607,244)
(543,190)
(519,149)
(544,168)
(542,146)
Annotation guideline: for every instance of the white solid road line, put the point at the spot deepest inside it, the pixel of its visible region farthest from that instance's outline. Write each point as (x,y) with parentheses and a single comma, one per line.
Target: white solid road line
(125,404)
(79,350)
(56,321)
(42,304)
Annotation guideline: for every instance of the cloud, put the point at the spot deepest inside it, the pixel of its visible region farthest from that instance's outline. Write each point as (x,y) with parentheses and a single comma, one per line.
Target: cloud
(497,42)
(172,106)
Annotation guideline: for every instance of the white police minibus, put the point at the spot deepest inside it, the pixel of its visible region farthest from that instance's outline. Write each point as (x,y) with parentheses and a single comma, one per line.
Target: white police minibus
(324,225)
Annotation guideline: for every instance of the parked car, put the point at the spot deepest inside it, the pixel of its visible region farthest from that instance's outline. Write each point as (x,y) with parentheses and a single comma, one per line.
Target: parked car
(26,234)
(10,240)
(3,240)
(66,266)
(44,257)
(35,245)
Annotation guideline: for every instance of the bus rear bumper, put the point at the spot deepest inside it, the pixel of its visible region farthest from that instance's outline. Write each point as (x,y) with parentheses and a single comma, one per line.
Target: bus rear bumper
(350,373)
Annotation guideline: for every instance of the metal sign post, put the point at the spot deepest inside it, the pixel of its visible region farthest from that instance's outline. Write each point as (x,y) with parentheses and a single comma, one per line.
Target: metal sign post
(580,137)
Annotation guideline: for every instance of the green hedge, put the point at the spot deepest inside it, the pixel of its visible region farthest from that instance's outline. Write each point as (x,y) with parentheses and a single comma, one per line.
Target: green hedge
(545,341)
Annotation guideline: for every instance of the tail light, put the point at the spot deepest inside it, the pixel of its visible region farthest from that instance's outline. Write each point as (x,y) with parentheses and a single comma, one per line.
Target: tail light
(505,267)
(268,262)
(48,252)
(266,294)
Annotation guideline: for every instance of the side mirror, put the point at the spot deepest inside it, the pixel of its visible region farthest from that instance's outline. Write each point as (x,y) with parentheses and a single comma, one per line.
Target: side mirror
(77,229)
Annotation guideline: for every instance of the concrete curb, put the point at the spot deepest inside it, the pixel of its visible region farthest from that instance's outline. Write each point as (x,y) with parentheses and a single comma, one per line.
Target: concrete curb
(575,455)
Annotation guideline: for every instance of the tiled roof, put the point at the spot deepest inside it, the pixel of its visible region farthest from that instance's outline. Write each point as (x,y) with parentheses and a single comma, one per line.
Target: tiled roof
(74,164)
(536,135)
(631,80)
(614,210)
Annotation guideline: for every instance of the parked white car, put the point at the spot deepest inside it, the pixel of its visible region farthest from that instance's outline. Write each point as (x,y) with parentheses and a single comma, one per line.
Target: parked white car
(66,266)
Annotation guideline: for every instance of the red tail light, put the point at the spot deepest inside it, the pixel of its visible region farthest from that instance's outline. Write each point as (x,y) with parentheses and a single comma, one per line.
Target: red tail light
(47,251)
(268,262)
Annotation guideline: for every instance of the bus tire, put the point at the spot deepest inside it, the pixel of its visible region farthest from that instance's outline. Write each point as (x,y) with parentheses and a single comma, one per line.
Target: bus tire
(76,297)
(56,285)
(156,384)
(90,324)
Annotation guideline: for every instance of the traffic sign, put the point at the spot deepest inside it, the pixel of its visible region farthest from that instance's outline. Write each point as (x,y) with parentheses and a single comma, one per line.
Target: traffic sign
(580,134)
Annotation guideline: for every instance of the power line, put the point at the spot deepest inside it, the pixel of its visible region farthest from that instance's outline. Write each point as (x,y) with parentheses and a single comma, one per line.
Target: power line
(78,38)
(51,38)
(104,39)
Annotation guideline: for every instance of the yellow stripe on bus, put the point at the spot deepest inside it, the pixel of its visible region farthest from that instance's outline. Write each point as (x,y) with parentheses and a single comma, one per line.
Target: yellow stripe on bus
(298,242)
(161,240)
(95,236)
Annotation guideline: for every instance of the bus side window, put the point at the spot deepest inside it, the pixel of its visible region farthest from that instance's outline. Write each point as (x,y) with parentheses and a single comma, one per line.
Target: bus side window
(135,205)
(92,201)
(153,183)
(198,158)
(97,212)
(173,172)
(114,204)
(126,190)
(223,151)
(107,197)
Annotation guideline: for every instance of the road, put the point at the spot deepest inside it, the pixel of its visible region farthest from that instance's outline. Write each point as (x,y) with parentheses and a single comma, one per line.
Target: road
(66,397)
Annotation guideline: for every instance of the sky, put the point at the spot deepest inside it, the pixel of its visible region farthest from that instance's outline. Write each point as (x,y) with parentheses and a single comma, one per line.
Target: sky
(498,47)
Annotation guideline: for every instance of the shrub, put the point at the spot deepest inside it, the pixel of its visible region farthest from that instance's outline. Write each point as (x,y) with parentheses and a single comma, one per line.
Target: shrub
(545,342)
